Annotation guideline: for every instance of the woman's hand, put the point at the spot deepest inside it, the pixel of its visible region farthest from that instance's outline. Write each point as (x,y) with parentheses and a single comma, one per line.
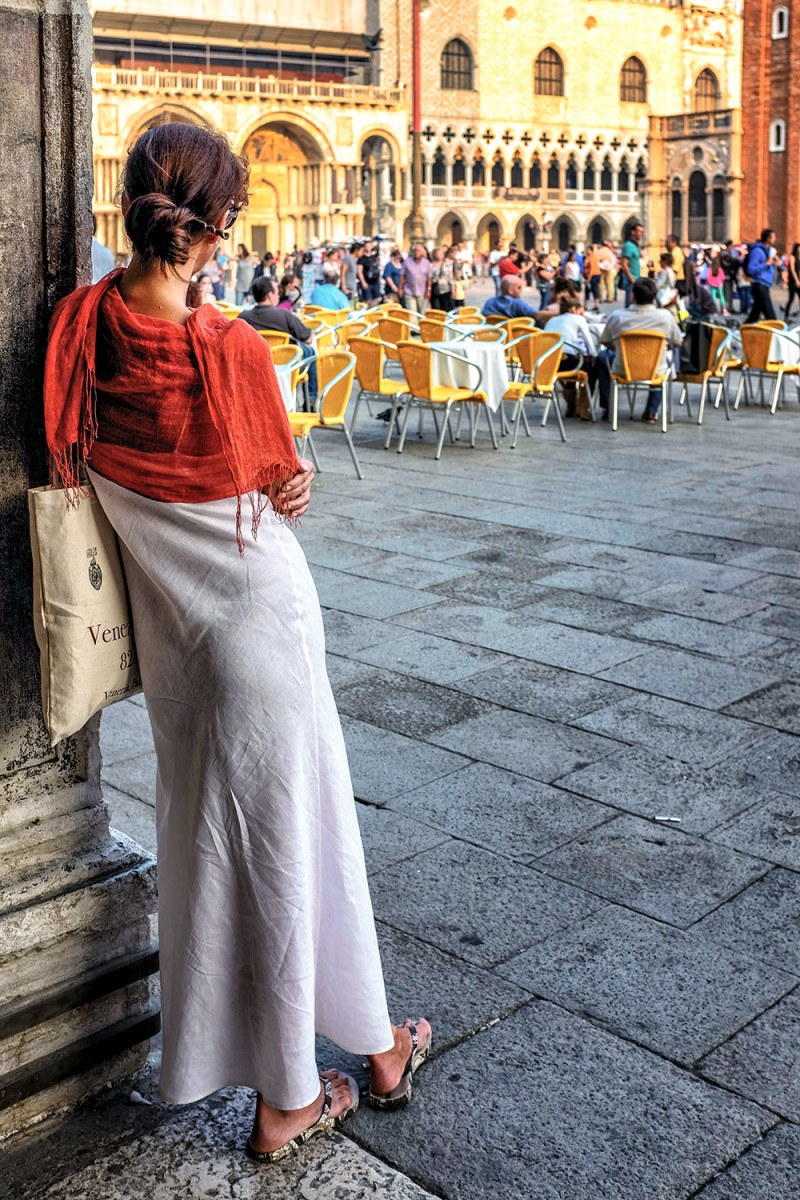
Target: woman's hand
(294,497)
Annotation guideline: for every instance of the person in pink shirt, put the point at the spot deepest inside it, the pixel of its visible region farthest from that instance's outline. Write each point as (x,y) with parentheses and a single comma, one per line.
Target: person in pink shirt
(715,280)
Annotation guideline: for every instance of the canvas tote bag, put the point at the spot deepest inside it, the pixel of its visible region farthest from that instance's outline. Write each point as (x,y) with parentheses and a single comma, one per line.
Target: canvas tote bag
(81,612)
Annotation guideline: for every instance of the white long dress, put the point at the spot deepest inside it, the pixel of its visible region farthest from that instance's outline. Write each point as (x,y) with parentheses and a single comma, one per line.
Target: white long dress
(266,927)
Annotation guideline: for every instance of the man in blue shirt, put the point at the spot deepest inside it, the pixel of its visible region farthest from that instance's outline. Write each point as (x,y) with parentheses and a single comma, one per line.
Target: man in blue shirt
(762,276)
(508,303)
(328,294)
(631,268)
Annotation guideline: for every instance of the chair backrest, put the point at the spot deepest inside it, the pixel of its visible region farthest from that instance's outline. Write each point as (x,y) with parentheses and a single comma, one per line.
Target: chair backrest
(331,316)
(434,314)
(775,324)
(534,346)
(518,325)
(396,310)
(351,329)
(289,356)
(469,309)
(495,319)
(431,331)
(394,332)
(335,372)
(417,363)
(756,345)
(369,362)
(274,337)
(492,334)
(640,351)
(231,313)
(468,318)
(719,335)
(312,308)
(324,337)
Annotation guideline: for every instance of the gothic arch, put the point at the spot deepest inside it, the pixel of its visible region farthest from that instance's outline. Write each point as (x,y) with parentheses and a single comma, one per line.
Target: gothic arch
(150,116)
(309,135)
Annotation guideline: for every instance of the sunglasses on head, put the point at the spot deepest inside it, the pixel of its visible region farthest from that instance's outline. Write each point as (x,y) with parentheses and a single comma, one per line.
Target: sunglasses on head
(230,220)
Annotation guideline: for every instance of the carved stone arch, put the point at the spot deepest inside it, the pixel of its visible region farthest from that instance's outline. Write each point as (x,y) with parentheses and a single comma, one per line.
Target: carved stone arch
(158,114)
(313,139)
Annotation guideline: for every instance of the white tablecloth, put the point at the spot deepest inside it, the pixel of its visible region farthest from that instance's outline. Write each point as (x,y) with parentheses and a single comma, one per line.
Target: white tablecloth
(284,375)
(489,356)
(786,349)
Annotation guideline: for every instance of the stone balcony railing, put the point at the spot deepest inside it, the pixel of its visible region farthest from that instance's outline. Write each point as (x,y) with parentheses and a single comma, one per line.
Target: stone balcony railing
(267,88)
(694,124)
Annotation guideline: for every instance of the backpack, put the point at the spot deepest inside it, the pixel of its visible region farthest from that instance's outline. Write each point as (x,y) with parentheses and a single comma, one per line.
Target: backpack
(746,263)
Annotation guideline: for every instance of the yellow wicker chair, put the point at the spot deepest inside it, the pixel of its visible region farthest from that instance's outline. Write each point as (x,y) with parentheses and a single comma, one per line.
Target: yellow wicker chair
(496,319)
(335,372)
(290,356)
(372,383)
(324,336)
(393,332)
(539,357)
(352,329)
(431,331)
(640,353)
(757,342)
(274,337)
(719,344)
(417,363)
(434,314)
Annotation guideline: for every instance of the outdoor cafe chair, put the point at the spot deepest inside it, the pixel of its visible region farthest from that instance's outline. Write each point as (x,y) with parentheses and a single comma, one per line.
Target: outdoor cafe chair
(640,354)
(757,363)
(393,332)
(373,385)
(718,348)
(274,337)
(431,331)
(540,357)
(335,373)
(434,314)
(417,363)
(290,356)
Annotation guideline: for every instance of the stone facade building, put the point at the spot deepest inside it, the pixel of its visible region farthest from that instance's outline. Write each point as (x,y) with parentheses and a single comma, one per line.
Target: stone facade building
(547,125)
(770,97)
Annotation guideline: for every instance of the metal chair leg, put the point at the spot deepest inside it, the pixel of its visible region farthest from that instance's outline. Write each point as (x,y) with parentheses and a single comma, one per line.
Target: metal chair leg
(352,450)
(739,388)
(404,430)
(445,425)
(558,418)
(307,442)
(614,404)
(703,391)
(516,425)
(664,406)
(776,391)
(490,423)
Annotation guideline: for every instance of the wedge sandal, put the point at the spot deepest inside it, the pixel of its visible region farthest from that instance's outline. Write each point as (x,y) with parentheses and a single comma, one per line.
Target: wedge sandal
(325,1124)
(399,1097)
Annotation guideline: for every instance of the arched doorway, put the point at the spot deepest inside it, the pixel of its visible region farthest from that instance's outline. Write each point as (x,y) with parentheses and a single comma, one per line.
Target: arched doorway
(598,231)
(698,207)
(378,186)
(286,166)
(525,233)
(562,234)
(450,230)
(489,233)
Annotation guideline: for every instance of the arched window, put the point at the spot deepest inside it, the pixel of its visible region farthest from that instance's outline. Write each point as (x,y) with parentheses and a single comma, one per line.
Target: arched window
(516,172)
(548,73)
(459,172)
(780,21)
(633,81)
(457,66)
(589,177)
(698,207)
(777,135)
(438,174)
(706,92)
(553,175)
(498,171)
(624,177)
(571,175)
(478,174)
(597,233)
(677,207)
(606,179)
(535,174)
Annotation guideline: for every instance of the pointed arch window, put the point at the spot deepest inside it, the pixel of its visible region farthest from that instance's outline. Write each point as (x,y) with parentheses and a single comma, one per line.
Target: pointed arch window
(606,176)
(553,174)
(571,175)
(633,81)
(438,173)
(456,66)
(478,171)
(535,174)
(706,92)
(548,73)
(589,175)
(516,172)
(498,171)
(624,177)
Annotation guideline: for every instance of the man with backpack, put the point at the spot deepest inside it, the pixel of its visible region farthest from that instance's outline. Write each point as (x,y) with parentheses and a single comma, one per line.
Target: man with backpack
(759,266)
(369,275)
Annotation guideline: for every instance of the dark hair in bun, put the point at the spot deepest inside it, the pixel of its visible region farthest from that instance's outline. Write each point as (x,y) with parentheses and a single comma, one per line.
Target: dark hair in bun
(176,178)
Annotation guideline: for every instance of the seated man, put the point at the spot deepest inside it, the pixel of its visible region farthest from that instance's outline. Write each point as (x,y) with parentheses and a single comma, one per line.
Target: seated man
(508,303)
(266,315)
(642,314)
(328,294)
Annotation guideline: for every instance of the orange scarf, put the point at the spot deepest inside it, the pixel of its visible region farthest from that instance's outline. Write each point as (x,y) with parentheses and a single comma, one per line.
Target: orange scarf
(228,358)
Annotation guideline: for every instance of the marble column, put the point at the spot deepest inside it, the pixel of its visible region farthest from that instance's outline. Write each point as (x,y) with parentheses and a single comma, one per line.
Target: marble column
(75,898)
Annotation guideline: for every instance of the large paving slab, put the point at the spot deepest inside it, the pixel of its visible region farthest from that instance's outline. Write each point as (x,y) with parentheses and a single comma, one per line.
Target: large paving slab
(654,869)
(682,731)
(501,811)
(769,1171)
(488,908)
(425,656)
(771,831)
(371,598)
(384,764)
(680,675)
(777,706)
(772,762)
(760,1062)
(544,1105)
(706,637)
(542,749)
(677,993)
(541,690)
(643,782)
(762,921)
(405,704)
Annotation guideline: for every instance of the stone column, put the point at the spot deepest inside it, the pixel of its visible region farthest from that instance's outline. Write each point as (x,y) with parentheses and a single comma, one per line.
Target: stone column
(75,898)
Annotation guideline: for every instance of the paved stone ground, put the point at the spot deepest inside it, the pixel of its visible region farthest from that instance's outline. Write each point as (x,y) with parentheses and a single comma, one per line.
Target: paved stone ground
(537,654)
